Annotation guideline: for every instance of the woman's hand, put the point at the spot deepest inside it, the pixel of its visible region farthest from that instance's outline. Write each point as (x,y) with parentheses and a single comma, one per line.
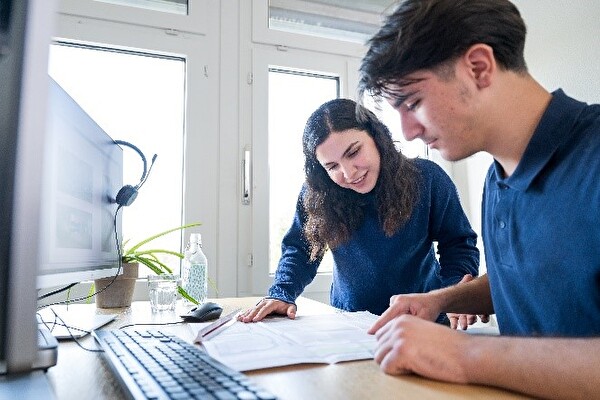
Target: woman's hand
(462,321)
(266,307)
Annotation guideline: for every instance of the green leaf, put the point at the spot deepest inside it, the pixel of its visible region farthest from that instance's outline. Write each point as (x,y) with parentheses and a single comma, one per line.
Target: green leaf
(143,242)
(154,251)
(185,295)
(150,264)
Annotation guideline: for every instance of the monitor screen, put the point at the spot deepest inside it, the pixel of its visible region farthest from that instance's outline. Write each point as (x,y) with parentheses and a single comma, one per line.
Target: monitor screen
(83,171)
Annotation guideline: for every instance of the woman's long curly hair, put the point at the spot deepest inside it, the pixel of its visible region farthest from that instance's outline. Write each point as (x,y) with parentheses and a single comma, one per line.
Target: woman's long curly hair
(333,212)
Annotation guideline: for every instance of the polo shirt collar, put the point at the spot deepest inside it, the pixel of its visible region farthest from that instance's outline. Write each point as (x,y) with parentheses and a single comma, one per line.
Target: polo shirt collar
(558,120)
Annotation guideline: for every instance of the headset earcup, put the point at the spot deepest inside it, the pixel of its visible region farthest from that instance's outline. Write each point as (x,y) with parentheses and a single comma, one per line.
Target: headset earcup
(126,195)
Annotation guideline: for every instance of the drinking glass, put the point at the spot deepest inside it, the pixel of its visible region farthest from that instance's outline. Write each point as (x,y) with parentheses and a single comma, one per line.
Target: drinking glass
(162,290)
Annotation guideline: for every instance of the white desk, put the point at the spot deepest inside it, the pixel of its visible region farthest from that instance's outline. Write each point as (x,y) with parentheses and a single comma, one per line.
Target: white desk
(84,375)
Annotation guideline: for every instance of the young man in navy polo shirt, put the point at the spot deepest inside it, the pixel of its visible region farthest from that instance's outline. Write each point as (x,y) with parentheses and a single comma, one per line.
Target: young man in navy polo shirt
(455,72)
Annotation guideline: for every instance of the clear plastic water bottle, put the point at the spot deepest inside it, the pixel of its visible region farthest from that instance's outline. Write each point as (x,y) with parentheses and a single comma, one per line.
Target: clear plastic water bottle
(194,274)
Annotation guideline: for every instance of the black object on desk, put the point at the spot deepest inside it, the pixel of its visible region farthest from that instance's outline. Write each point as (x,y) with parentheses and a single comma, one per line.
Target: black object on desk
(204,312)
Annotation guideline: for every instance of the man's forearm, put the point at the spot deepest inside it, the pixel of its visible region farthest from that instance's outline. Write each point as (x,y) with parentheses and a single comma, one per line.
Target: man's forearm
(550,368)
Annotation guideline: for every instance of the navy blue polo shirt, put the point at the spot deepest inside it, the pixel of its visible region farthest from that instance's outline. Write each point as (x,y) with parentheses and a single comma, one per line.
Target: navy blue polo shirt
(541,227)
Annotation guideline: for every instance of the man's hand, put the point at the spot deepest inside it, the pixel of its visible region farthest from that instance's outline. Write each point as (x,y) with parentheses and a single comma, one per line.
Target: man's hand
(412,345)
(423,305)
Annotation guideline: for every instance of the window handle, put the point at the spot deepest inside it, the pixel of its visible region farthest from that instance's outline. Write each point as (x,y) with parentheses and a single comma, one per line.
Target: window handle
(246,177)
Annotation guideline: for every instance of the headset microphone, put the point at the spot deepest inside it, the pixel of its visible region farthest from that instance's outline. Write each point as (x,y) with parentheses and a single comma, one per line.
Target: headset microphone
(128,193)
(139,185)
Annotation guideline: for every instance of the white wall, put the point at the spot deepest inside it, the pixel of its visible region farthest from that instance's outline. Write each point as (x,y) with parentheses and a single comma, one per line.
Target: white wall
(563,46)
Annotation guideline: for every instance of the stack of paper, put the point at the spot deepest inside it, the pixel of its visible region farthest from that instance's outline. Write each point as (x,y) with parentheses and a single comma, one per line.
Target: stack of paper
(281,341)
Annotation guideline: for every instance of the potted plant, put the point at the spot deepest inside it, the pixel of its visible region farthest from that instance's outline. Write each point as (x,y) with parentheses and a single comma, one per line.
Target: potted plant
(119,291)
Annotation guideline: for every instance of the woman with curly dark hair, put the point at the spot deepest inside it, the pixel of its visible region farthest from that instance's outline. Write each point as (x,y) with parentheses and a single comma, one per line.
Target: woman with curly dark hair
(378,212)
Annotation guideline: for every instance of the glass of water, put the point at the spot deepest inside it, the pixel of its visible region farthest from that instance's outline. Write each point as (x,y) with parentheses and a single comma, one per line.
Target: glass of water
(162,290)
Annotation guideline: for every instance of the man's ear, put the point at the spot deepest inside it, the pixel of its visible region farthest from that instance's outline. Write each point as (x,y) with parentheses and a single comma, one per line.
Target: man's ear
(481,62)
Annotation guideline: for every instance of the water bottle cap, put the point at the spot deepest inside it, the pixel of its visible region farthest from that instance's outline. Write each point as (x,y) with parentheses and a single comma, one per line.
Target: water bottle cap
(196,238)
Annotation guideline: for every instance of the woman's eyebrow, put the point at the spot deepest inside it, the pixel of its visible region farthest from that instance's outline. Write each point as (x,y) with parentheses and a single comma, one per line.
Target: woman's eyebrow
(349,149)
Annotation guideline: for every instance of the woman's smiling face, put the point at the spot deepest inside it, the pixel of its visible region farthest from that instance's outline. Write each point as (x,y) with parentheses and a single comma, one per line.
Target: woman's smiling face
(351,159)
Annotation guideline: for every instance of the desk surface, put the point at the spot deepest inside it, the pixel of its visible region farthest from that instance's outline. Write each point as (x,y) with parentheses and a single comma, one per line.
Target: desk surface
(80,374)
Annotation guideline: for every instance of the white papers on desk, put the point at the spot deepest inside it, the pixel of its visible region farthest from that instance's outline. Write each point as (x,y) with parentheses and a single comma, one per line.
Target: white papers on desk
(281,341)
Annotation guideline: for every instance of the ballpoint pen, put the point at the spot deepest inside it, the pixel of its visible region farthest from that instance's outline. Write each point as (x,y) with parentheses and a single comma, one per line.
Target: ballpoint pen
(216,327)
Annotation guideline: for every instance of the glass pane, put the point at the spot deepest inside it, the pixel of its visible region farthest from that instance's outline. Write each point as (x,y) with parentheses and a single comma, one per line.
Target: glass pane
(138,98)
(287,116)
(170,6)
(353,21)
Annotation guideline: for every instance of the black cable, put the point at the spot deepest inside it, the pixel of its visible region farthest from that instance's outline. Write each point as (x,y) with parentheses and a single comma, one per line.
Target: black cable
(62,323)
(152,323)
(57,291)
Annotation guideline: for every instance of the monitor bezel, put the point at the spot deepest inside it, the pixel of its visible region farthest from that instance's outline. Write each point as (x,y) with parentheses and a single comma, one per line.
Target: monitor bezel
(25,75)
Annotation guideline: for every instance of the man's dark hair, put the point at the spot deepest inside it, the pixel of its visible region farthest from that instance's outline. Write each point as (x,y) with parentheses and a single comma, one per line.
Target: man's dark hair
(428,34)
(333,213)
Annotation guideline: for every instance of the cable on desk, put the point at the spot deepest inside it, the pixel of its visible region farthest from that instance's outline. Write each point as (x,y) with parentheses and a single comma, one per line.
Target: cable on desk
(61,322)
(152,323)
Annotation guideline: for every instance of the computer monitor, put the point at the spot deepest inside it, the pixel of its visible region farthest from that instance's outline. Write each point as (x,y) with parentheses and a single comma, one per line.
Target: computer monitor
(54,221)
(83,171)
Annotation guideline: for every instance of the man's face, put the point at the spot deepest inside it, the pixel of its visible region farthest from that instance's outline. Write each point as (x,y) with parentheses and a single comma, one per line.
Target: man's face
(441,110)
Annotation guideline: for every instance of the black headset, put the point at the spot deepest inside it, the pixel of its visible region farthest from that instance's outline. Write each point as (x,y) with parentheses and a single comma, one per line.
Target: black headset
(128,193)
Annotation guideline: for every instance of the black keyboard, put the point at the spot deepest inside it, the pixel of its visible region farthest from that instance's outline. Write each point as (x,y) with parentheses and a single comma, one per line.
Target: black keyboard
(154,365)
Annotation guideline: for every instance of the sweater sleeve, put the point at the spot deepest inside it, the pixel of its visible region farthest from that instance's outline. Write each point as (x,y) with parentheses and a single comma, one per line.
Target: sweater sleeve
(450,228)
(294,271)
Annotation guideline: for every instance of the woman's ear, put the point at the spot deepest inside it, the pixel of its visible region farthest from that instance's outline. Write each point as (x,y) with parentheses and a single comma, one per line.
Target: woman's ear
(481,63)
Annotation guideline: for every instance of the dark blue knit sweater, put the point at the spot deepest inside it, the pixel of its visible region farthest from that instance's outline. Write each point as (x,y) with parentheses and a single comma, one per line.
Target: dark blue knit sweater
(370,267)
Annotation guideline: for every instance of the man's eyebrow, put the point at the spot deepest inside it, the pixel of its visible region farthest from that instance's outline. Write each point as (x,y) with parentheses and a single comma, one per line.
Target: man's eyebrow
(400,94)
(398,98)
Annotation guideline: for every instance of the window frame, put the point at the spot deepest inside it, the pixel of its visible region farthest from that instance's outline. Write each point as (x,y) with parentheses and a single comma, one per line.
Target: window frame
(263,58)
(261,33)
(196,21)
(201,139)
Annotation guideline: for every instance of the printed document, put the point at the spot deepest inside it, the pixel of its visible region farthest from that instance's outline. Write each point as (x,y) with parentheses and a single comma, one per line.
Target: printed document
(278,341)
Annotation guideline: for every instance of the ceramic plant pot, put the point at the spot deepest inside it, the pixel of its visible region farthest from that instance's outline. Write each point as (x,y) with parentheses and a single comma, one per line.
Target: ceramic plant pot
(120,293)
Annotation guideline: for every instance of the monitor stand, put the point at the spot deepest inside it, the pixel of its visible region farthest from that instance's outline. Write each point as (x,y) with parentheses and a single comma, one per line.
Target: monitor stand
(33,385)
(28,386)
(47,347)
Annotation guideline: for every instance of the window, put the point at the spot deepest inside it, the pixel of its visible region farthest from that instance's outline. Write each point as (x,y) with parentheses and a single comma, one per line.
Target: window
(293,96)
(139,98)
(172,16)
(287,87)
(172,6)
(353,21)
